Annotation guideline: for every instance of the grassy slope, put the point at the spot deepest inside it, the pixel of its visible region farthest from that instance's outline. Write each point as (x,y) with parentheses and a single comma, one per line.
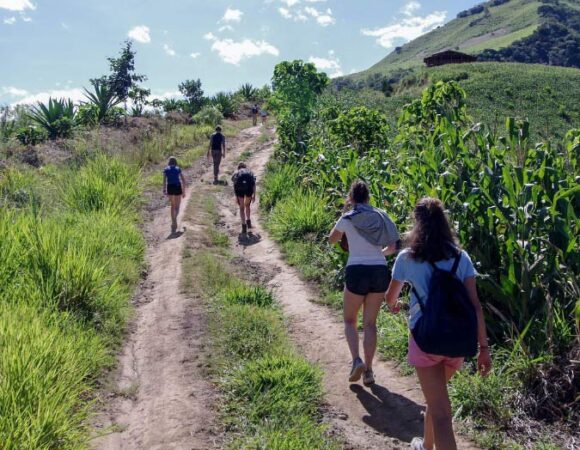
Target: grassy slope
(510,22)
(545,95)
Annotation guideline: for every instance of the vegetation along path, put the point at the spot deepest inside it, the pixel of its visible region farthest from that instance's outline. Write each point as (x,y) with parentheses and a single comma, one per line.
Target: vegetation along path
(386,416)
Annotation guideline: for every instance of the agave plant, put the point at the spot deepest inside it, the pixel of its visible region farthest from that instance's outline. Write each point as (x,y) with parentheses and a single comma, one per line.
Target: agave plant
(103,100)
(57,117)
(248,92)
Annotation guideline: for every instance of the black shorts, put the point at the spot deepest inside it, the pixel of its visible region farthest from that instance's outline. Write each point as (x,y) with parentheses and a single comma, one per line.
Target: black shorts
(243,192)
(174,189)
(363,280)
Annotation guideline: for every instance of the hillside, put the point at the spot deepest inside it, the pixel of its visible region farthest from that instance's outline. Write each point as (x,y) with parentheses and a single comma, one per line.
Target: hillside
(494,25)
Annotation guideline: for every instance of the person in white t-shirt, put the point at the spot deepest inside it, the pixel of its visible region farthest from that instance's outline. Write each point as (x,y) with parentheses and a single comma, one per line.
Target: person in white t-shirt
(432,242)
(371,235)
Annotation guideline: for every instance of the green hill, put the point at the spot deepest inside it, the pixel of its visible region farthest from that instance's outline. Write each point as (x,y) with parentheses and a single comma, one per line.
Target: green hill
(496,30)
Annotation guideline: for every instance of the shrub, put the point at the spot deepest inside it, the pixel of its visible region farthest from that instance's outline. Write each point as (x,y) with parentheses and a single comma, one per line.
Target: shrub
(30,135)
(248,92)
(209,115)
(103,101)
(57,117)
(227,103)
(279,182)
(300,214)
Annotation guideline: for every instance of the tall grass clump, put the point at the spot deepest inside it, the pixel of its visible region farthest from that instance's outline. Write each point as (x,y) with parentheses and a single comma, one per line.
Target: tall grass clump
(280,181)
(299,215)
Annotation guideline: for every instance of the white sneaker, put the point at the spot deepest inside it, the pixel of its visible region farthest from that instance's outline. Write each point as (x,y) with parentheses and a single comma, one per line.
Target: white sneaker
(417,444)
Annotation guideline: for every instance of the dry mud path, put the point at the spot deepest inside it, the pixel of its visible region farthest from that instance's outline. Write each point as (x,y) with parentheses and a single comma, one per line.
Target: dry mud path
(388,415)
(159,396)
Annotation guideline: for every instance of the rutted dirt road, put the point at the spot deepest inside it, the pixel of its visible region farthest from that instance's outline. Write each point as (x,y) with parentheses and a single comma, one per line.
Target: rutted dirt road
(162,400)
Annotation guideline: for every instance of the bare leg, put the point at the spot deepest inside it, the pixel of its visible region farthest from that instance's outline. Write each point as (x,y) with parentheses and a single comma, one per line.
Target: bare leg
(247,204)
(242,211)
(434,386)
(428,436)
(352,304)
(177,206)
(371,308)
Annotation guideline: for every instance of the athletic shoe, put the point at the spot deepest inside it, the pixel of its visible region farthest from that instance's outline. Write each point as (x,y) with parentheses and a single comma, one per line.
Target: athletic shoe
(358,367)
(244,229)
(249,223)
(368,378)
(215,181)
(417,444)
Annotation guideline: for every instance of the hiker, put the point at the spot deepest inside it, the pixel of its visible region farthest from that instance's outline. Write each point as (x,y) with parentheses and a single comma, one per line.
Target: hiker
(371,235)
(217,148)
(264,115)
(174,188)
(443,297)
(255,111)
(245,190)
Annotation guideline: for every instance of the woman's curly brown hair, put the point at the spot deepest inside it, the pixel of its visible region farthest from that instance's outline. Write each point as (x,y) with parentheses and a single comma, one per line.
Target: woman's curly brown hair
(432,238)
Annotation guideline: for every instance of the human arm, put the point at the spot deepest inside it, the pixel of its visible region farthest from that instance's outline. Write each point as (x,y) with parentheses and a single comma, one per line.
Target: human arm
(392,248)
(335,236)
(224,147)
(484,356)
(254,192)
(182,179)
(392,295)
(164,183)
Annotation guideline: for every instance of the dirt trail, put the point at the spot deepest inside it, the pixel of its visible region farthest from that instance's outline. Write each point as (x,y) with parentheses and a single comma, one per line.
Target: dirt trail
(160,398)
(387,416)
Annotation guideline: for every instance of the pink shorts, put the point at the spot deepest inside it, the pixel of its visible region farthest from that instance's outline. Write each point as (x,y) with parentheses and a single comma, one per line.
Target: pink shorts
(419,358)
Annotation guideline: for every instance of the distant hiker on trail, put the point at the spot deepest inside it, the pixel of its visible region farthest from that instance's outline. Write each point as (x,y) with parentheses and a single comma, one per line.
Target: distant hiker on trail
(446,319)
(255,111)
(217,148)
(174,188)
(245,190)
(371,235)
(264,115)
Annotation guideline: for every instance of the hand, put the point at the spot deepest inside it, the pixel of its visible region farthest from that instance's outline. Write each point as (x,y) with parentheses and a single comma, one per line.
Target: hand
(484,361)
(395,308)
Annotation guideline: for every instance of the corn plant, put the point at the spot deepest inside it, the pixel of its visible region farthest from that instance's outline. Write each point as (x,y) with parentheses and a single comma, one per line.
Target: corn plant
(57,117)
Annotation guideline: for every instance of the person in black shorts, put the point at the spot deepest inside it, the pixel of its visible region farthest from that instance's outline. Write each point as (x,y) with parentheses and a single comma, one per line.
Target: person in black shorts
(217,148)
(174,188)
(245,190)
(371,235)
(255,111)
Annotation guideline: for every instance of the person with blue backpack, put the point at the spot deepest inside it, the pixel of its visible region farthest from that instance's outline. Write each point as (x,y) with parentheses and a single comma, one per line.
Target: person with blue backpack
(446,319)
(245,191)
(174,188)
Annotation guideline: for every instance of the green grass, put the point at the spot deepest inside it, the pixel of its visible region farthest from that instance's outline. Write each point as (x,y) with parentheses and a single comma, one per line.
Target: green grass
(502,41)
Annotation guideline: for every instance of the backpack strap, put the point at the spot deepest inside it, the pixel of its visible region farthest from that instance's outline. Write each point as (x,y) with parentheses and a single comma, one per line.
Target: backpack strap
(418,297)
(456,263)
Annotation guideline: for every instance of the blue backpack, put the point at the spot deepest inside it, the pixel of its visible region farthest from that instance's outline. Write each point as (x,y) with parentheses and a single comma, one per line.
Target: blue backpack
(448,323)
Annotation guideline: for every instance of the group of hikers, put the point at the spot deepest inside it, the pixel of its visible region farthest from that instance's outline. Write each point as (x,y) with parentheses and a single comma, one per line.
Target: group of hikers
(446,320)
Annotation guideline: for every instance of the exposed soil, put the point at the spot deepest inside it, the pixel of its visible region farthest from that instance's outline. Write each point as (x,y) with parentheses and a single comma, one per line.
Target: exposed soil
(161,399)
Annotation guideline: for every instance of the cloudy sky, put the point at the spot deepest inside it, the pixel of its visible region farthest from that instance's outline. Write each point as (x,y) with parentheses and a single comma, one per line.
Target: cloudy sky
(54,47)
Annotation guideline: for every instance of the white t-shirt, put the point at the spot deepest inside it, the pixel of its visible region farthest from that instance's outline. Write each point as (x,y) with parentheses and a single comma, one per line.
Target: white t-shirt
(360,251)
(418,274)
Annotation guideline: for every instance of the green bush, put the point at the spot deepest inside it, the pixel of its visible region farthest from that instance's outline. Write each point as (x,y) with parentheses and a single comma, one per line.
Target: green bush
(301,214)
(57,117)
(209,115)
(245,294)
(30,135)
(18,189)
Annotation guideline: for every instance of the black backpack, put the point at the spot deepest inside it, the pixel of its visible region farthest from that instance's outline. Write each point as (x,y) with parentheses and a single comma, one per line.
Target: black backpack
(244,180)
(448,323)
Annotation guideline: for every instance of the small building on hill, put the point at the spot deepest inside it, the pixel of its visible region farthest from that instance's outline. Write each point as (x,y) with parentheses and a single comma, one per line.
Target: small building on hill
(448,57)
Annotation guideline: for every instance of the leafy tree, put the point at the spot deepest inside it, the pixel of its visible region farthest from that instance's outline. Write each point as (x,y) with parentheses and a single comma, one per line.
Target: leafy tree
(248,92)
(296,87)
(139,97)
(123,76)
(362,128)
(192,91)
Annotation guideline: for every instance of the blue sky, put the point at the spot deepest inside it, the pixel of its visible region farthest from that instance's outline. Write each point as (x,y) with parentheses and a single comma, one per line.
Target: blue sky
(54,47)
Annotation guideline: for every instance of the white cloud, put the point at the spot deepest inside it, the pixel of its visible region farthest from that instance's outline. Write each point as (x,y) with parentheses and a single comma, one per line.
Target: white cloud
(330,65)
(209,36)
(168,50)
(10,21)
(232,15)
(407,29)
(13,91)
(290,3)
(141,34)
(17,5)
(323,18)
(410,8)
(226,28)
(233,52)
(165,95)
(195,55)
(285,12)
(75,94)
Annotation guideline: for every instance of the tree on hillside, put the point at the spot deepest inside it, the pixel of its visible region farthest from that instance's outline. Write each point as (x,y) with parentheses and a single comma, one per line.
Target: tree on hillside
(296,87)
(192,91)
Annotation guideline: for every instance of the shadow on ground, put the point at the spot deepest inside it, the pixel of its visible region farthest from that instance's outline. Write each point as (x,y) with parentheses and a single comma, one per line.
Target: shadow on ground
(247,239)
(389,413)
